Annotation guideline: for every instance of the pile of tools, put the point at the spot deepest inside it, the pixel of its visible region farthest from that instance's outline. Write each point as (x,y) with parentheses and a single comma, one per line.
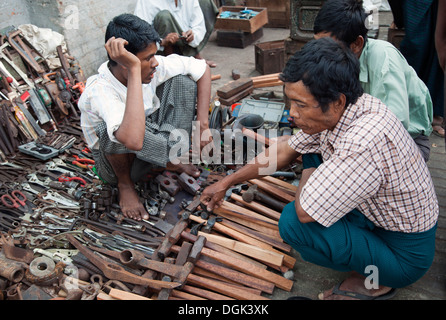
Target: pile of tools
(63,235)
(35,99)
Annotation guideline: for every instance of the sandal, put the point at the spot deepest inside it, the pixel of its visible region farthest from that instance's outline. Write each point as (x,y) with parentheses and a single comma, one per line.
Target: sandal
(438,130)
(385,296)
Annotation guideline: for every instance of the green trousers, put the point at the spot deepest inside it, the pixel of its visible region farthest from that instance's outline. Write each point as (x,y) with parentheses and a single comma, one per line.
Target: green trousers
(353,243)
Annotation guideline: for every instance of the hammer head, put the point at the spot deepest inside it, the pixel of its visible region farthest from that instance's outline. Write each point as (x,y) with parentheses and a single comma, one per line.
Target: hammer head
(235,189)
(249,195)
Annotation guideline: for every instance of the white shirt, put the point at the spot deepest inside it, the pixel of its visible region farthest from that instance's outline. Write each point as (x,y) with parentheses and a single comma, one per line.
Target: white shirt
(104,96)
(188,14)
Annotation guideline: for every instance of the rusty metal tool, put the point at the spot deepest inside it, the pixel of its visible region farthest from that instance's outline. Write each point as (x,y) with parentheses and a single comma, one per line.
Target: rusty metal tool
(115,272)
(135,258)
(170,239)
(254,194)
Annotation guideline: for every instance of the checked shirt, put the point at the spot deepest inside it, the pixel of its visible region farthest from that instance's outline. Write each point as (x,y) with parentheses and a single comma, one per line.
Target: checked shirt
(369,163)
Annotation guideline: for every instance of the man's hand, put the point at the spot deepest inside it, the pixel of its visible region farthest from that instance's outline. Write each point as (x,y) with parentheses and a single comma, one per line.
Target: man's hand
(188,35)
(118,53)
(213,196)
(170,39)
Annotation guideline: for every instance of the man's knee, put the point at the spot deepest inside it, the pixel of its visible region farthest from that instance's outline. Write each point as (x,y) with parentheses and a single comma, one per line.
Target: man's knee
(163,15)
(288,223)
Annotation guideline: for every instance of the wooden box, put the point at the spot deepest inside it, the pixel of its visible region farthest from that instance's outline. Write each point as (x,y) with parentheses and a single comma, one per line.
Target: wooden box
(270,56)
(246,25)
(237,39)
(278,12)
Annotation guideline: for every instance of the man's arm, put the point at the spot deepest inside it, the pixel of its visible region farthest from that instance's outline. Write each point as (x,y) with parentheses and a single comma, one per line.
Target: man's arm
(131,131)
(277,156)
(203,99)
(301,214)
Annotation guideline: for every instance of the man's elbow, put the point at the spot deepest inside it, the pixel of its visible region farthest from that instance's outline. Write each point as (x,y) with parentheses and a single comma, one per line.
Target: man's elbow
(133,144)
(129,141)
(302,215)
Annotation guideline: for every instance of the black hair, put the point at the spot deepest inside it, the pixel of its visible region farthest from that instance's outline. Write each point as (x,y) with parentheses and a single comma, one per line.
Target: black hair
(344,19)
(138,33)
(327,68)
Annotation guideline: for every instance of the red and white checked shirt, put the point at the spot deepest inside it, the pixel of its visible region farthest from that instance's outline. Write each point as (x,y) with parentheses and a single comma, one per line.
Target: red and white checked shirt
(372,164)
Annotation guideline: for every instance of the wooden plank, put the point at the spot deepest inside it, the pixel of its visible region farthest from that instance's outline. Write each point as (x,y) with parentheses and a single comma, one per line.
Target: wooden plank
(223,288)
(234,207)
(246,249)
(240,265)
(213,246)
(233,87)
(248,221)
(211,275)
(268,84)
(205,293)
(103,296)
(238,277)
(288,261)
(279,182)
(275,242)
(124,295)
(185,295)
(231,100)
(279,194)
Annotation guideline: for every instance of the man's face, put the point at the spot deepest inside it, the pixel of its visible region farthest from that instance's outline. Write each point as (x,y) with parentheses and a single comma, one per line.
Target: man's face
(148,62)
(306,112)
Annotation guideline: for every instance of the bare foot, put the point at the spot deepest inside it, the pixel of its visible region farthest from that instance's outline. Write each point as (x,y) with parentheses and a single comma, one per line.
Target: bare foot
(129,202)
(211,64)
(190,169)
(353,285)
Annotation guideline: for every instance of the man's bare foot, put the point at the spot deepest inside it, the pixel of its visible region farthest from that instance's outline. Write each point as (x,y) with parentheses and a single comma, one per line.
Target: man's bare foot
(211,64)
(190,169)
(353,289)
(129,202)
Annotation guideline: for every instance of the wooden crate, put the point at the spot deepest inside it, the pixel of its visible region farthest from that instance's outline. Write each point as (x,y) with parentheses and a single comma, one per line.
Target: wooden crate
(237,39)
(270,56)
(245,25)
(278,12)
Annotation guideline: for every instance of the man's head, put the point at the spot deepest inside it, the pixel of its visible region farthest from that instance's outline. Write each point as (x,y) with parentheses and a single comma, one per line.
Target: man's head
(344,20)
(321,80)
(138,33)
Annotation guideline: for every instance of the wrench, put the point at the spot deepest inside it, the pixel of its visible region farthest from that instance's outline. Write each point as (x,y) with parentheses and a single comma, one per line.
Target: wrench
(52,195)
(27,187)
(32,178)
(51,165)
(56,256)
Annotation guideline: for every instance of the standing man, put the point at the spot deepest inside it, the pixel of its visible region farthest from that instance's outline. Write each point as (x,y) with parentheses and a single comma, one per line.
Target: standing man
(131,107)
(184,25)
(366,198)
(384,72)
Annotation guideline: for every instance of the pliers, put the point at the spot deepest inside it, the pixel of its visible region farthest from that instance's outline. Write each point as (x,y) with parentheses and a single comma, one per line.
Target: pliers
(83,162)
(65,179)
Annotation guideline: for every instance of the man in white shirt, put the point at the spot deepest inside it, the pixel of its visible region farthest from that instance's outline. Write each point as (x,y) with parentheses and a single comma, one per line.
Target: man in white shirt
(130,108)
(184,25)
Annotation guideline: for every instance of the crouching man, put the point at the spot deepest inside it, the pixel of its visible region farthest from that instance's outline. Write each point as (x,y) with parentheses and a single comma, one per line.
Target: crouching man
(130,108)
(366,200)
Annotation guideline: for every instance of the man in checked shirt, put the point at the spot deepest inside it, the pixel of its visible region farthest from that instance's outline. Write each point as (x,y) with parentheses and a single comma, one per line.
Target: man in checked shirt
(366,200)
